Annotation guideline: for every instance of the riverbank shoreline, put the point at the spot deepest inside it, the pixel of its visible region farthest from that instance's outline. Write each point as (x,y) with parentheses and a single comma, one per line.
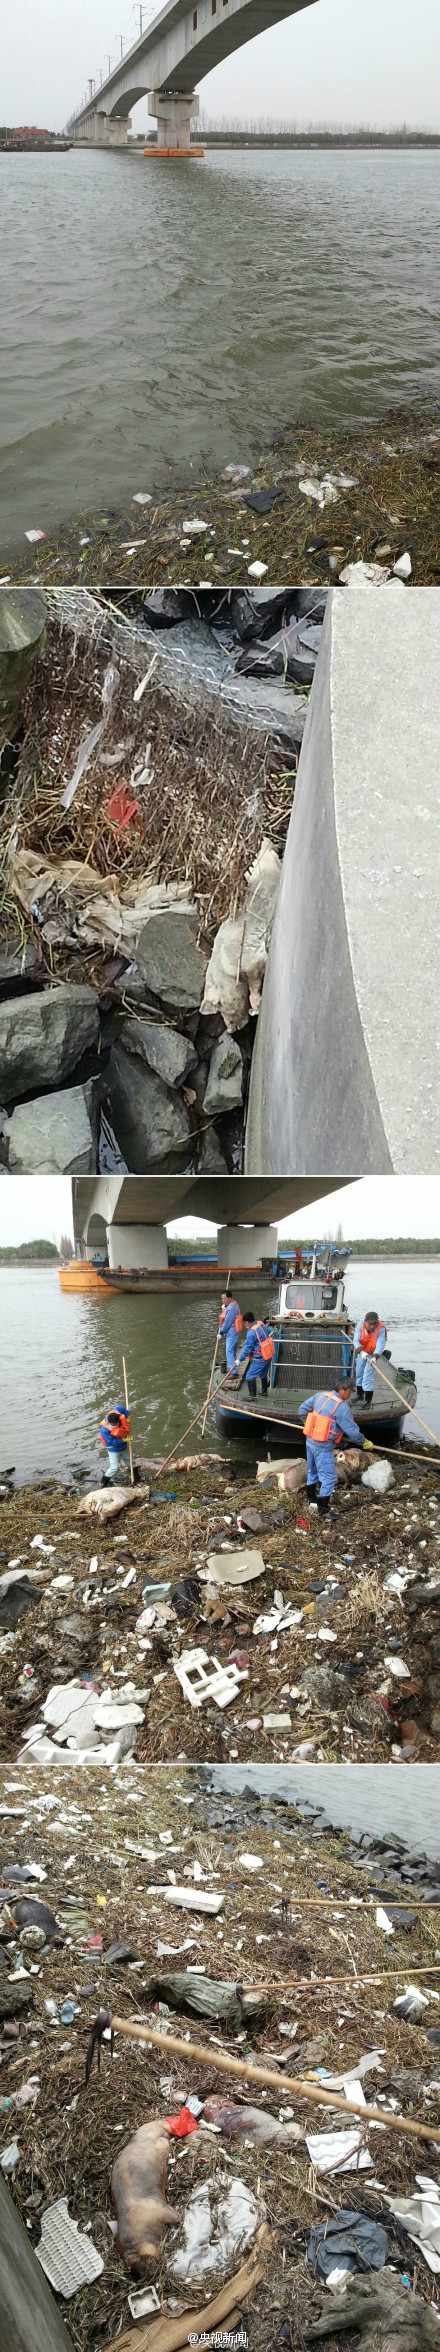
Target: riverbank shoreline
(392,506)
(323,1686)
(105,1877)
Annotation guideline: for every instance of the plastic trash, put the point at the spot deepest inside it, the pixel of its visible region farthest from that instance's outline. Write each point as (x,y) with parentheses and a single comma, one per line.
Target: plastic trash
(383,1921)
(30,1912)
(182,2125)
(202,1677)
(90,742)
(68,2012)
(121,807)
(257,570)
(198,1995)
(397,1667)
(191,529)
(421,2218)
(138,2186)
(349,2239)
(411,2004)
(146,2299)
(403,568)
(32,536)
(233,1567)
(220,2222)
(65,2252)
(10,2157)
(188,1899)
(338,2151)
(141,498)
(380,1477)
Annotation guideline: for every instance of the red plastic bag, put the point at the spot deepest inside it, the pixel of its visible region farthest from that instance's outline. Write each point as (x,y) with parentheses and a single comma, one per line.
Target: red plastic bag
(121,807)
(181,2125)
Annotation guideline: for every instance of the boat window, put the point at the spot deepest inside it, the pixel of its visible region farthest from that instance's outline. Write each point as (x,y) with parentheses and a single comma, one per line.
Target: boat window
(308,1298)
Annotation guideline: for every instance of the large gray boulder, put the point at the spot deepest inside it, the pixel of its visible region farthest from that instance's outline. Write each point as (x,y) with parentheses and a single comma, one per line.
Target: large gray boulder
(52,1136)
(225,1082)
(17,963)
(166,1052)
(152,1126)
(42,1038)
(171,964)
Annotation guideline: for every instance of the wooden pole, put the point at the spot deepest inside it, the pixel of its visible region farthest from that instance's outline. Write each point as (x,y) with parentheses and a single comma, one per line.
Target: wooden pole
(403,1453)
(130,1441)
(314,2093)
(180,1440)
(213,1365)
(397,1393)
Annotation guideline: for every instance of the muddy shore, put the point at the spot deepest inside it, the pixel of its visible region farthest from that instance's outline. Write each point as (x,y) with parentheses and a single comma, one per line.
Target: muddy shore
(328,1676)
(393,506)
(99,1858)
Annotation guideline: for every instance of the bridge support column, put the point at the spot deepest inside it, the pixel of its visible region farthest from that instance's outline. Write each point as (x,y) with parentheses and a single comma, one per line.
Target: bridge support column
(138,1245)
(174,114)
(245,1245)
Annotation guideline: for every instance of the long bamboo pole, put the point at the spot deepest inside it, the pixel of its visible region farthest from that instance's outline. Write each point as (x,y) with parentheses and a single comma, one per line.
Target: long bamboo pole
(402,1453)
(397,1393)
(213,1365)
(316,2096)
(180,1440)
(130,1441)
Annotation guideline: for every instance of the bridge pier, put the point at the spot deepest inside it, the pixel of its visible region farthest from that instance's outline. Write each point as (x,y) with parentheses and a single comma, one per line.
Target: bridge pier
(245,1245)
(174,113)
(138,1245)
(104,130)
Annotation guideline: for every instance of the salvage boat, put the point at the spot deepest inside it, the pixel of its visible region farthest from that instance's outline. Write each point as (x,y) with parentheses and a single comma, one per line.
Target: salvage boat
(308,1332)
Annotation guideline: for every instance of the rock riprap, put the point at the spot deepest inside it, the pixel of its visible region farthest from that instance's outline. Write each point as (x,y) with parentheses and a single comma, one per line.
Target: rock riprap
(43,1037)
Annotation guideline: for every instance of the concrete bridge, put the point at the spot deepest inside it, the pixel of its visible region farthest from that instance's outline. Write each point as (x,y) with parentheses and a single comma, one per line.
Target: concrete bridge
(176,51)
(129,1214)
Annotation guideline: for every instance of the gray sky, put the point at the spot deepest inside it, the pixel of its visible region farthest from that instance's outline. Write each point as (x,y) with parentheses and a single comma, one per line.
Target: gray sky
(37,1207)
(350,61)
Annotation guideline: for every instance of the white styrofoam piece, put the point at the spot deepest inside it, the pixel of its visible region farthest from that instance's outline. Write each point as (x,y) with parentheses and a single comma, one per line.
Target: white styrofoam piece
(189,1898)
(202,1677)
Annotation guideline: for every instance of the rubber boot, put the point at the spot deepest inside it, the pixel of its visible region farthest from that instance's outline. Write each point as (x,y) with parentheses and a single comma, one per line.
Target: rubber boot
(323,1505)
(367,1399)
(311,1491)
(359,1394)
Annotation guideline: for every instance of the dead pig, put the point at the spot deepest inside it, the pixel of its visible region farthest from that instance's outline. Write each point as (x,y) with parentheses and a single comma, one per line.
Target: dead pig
(138,2186)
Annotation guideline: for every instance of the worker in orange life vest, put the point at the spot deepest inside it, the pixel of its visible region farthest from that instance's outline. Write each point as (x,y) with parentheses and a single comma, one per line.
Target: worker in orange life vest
(370,1338)
(231,1323)
(256,1354)
(326,1418)
(114,1433)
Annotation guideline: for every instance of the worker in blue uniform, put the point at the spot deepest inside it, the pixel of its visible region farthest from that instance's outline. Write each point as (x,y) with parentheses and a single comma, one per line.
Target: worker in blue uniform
(370,1339)
(230,1325)
(326,1418)
(347,1349)
(256,1354)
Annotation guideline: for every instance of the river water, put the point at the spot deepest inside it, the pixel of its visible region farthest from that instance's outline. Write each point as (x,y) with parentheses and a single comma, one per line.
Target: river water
(63,1359)
(155,318)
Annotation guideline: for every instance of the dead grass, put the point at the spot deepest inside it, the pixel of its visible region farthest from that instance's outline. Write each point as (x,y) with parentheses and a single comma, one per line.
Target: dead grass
(210,793)
(69,2140)
(394,503)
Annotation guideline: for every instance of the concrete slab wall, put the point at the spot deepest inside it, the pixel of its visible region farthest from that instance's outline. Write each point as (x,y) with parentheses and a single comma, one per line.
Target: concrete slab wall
(377,1797)
(345,1071)
(30,2320)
